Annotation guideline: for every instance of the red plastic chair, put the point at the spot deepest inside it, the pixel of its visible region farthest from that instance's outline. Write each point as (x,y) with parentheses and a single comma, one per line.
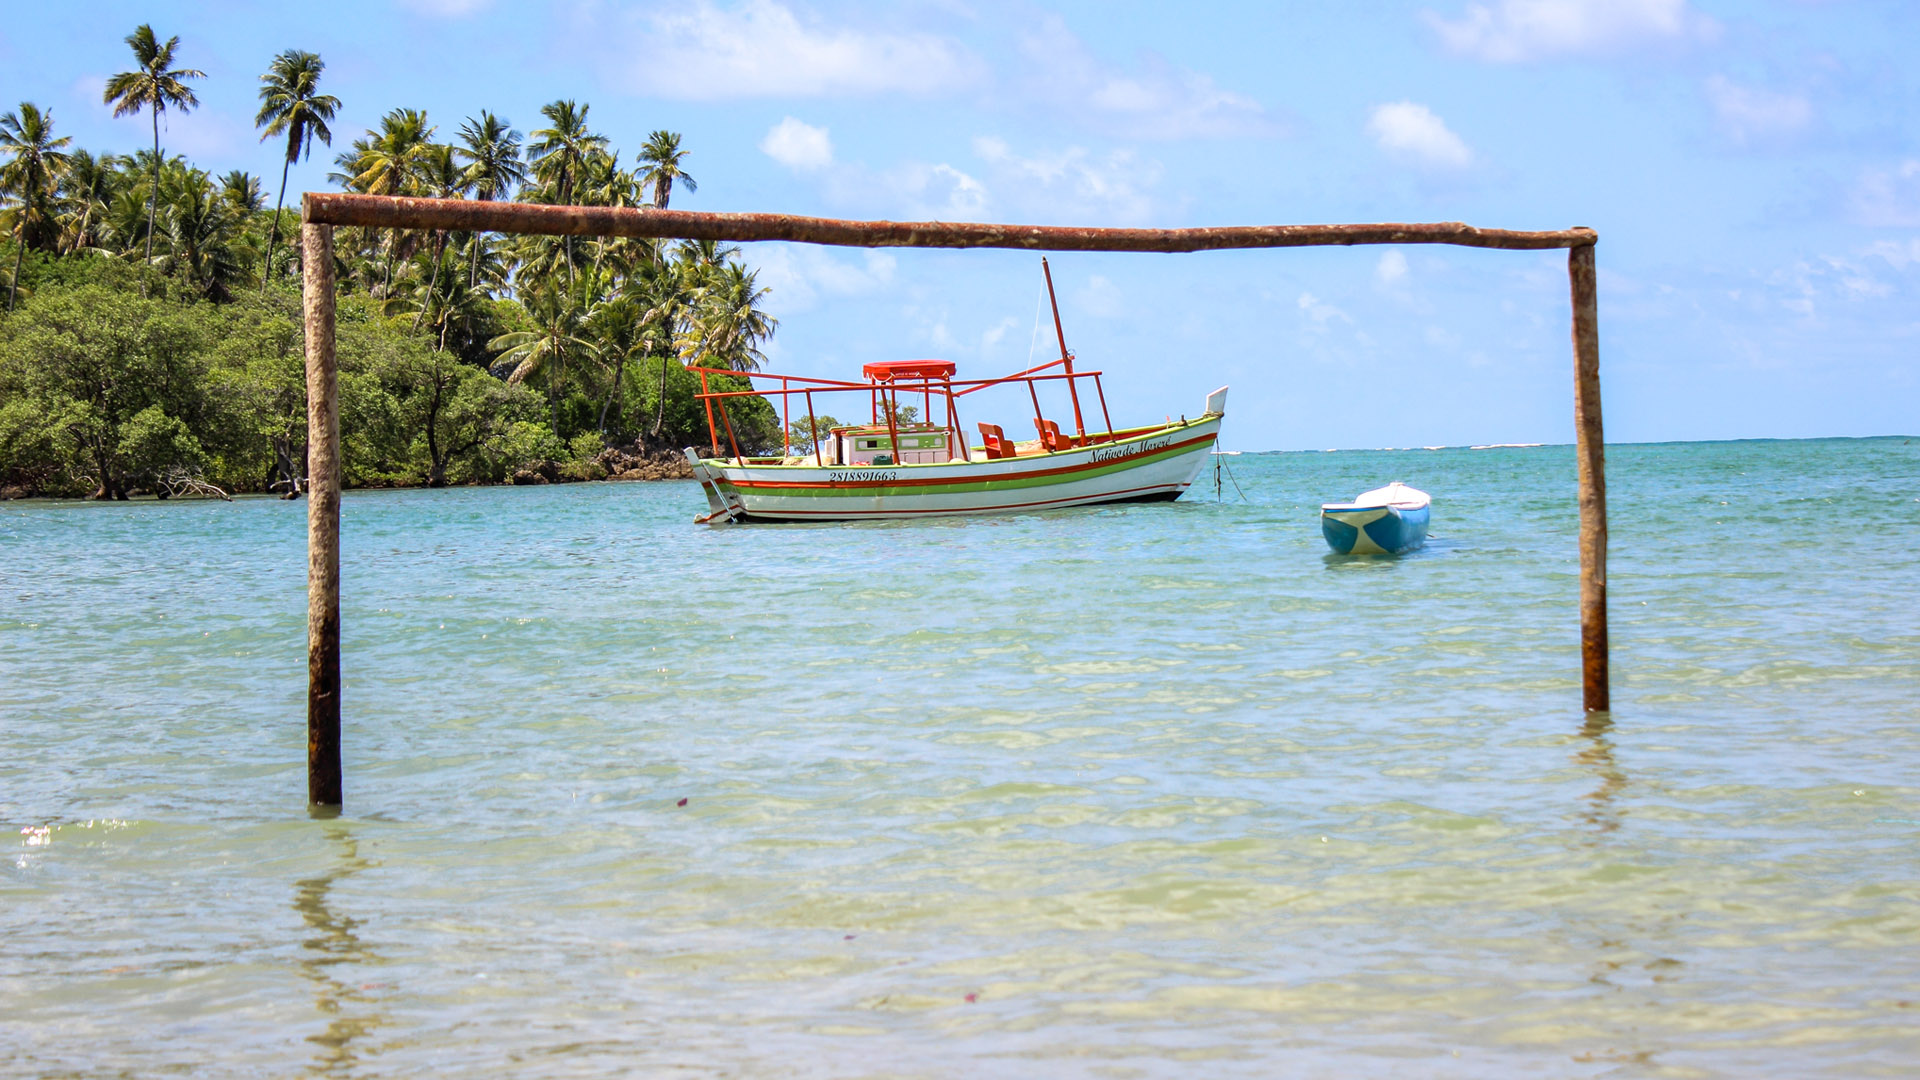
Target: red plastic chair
(1050,436)
(996,443)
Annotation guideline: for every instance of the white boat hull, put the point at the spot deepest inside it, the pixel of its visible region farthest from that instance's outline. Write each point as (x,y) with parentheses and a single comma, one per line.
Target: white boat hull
(1152,465)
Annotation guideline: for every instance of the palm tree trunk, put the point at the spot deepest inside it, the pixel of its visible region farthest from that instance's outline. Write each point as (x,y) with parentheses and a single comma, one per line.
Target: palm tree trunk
(80,231)
(439,248)
(660,406)
(473,248)
(19,249)
(619,381)
(153,195)
(566,185)
(273,237)
(436,465)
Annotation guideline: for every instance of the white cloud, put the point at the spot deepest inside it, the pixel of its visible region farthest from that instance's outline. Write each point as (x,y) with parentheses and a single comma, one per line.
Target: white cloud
(799,146)
(1412,132)
(1816,286)
(1889,197)
(1067,186)
(938,192)
(760,48)
(452,9)
(1072,184)
(1750,114)
(1320,311)
(1516,31)
(1153,100)
(801,274)
(993,335)
(1897,255)
(934,330)
(1392,268)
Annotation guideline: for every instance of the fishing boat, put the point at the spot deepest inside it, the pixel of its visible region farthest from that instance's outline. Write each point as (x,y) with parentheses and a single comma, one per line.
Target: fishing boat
(1385,521)
(909,461)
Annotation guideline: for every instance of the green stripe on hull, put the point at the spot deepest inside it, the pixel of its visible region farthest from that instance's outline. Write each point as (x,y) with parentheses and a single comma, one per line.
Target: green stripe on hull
(962,487)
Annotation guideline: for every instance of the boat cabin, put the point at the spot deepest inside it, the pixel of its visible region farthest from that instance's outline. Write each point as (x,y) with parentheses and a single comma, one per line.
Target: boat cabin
(873,444)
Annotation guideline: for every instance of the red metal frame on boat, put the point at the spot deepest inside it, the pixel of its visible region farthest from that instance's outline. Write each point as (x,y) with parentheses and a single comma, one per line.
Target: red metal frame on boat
(885,380)
(883,396)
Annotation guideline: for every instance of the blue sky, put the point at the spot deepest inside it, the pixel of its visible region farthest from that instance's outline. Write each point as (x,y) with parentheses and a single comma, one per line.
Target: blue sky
(1753,170)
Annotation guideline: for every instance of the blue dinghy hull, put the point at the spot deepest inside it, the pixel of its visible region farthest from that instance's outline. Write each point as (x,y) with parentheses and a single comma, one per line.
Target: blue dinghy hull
(1375,530)
(1386,521)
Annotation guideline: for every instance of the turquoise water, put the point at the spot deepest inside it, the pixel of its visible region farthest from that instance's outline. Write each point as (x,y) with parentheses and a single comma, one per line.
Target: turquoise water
(1150,791)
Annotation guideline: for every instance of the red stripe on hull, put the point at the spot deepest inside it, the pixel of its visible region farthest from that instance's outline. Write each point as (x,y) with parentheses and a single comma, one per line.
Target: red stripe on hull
(1105,496)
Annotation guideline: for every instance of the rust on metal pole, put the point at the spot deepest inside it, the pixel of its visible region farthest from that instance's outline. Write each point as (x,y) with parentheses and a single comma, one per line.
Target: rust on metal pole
(1590,453)
(474,215)
(323,521)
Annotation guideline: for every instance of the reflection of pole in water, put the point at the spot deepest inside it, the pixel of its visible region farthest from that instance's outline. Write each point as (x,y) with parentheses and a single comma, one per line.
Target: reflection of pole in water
(1597,755)
(1630,945)
(335,942)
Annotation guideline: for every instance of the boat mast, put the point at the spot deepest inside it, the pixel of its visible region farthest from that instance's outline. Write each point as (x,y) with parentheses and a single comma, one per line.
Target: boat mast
(1079,425)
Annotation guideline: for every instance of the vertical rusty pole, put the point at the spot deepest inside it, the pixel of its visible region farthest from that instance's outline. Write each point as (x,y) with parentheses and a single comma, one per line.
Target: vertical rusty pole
(1059,331)
(1590,453)
(323,521)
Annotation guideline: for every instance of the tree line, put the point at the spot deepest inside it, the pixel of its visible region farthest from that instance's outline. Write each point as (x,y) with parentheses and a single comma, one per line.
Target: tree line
(151,339)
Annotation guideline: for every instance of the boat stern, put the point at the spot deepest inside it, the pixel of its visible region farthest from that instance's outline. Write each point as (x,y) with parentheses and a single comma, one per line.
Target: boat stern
(1373,530)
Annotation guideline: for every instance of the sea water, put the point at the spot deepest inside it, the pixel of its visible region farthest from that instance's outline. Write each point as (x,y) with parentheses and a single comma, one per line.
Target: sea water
(1144,791)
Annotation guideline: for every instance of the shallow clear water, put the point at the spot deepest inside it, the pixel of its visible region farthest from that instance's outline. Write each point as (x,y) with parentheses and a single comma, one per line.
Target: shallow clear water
(1146,791)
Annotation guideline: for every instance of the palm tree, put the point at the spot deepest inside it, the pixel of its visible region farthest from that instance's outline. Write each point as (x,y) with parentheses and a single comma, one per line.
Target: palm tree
(662,156)
(559,322)
(492,151)
(384,162)
(387,162)
(604,183)
(618,328)
(199,225)
(290,103)
(729,322)
(438,296)
(673,290)
(242,189)
(491,148)
(492,259)
(155,86)
(439,177)
(87,193)
(30,179)
(559,154)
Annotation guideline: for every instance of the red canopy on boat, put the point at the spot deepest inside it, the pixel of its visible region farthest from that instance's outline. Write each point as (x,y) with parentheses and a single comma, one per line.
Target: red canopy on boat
(889,370)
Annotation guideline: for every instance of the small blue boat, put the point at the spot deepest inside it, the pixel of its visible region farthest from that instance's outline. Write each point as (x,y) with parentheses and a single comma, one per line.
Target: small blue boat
(1385,521)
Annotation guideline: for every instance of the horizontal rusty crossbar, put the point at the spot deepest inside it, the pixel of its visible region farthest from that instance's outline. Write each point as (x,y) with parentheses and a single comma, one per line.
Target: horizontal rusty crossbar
(473,215)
